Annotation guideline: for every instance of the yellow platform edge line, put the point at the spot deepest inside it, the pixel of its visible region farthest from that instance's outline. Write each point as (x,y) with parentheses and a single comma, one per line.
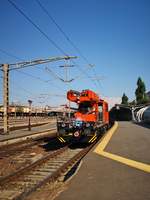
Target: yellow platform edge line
(132,163)
(101,146)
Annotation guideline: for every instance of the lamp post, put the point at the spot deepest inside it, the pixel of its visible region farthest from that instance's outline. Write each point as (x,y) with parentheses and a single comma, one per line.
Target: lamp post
(29,123)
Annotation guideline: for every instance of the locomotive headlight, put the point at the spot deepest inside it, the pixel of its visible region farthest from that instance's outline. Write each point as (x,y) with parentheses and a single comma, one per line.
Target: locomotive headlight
(78,123)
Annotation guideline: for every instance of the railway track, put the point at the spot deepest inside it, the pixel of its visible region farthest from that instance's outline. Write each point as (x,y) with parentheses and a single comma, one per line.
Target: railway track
(20,184)
(23,123)
(15,156)
(6,143)
(14,149)
(22,126)
(25,120)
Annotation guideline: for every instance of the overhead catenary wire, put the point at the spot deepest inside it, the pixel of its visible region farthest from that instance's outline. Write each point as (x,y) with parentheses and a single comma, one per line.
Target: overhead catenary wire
(22,88)
(40,30)
(33,95)
(69,40)
(62,31)
(39,61)
(30,63)
(37,27)
(30,75)
(39,79)
(9,54)
(53,73)
(57,77)
(50,94)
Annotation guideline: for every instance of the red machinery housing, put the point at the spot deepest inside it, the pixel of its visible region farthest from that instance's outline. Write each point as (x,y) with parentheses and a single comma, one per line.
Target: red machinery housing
(90,119)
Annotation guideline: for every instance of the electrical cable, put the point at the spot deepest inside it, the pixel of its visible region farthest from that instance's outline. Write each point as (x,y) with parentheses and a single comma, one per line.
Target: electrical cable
(39,79)
(61,30)
(66,36)
(27,74)
(53,74)
(37,27)
(9,54)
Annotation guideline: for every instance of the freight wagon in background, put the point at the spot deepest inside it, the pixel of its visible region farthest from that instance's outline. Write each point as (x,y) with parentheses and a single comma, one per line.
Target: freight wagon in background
(90,119)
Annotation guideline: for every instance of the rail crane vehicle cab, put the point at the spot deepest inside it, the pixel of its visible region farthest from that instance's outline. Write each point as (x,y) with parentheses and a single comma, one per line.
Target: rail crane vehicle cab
(90,119)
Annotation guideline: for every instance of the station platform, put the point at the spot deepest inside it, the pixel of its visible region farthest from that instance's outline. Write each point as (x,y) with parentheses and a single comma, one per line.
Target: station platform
(23,134)
(118,168)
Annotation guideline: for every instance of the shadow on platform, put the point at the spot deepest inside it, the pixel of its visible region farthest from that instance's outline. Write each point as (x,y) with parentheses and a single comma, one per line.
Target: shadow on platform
(143,125)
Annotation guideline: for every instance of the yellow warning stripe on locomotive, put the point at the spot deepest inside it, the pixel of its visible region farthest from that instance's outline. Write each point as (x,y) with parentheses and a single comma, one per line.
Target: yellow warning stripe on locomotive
(93,138)
(61,139)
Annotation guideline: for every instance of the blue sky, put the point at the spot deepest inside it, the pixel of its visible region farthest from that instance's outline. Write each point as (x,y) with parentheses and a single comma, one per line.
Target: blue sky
(114,35)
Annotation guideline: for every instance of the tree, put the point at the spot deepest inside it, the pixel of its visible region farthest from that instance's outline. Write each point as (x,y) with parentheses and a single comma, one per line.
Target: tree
(132,103)
(140,94)
(124,99)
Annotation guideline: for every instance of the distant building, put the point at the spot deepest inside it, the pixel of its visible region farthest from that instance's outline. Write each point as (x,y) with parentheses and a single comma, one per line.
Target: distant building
(16,108)
(24,110)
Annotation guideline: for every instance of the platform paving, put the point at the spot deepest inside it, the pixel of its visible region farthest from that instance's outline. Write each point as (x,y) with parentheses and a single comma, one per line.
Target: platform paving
(104,178)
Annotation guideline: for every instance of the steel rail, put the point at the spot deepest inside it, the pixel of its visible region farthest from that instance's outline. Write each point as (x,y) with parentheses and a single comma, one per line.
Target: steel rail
(32,176)
(12,128)
(15,175)
(16,148)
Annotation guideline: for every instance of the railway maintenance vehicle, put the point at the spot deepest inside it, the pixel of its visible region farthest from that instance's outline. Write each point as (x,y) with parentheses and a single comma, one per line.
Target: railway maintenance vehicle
(90,119)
